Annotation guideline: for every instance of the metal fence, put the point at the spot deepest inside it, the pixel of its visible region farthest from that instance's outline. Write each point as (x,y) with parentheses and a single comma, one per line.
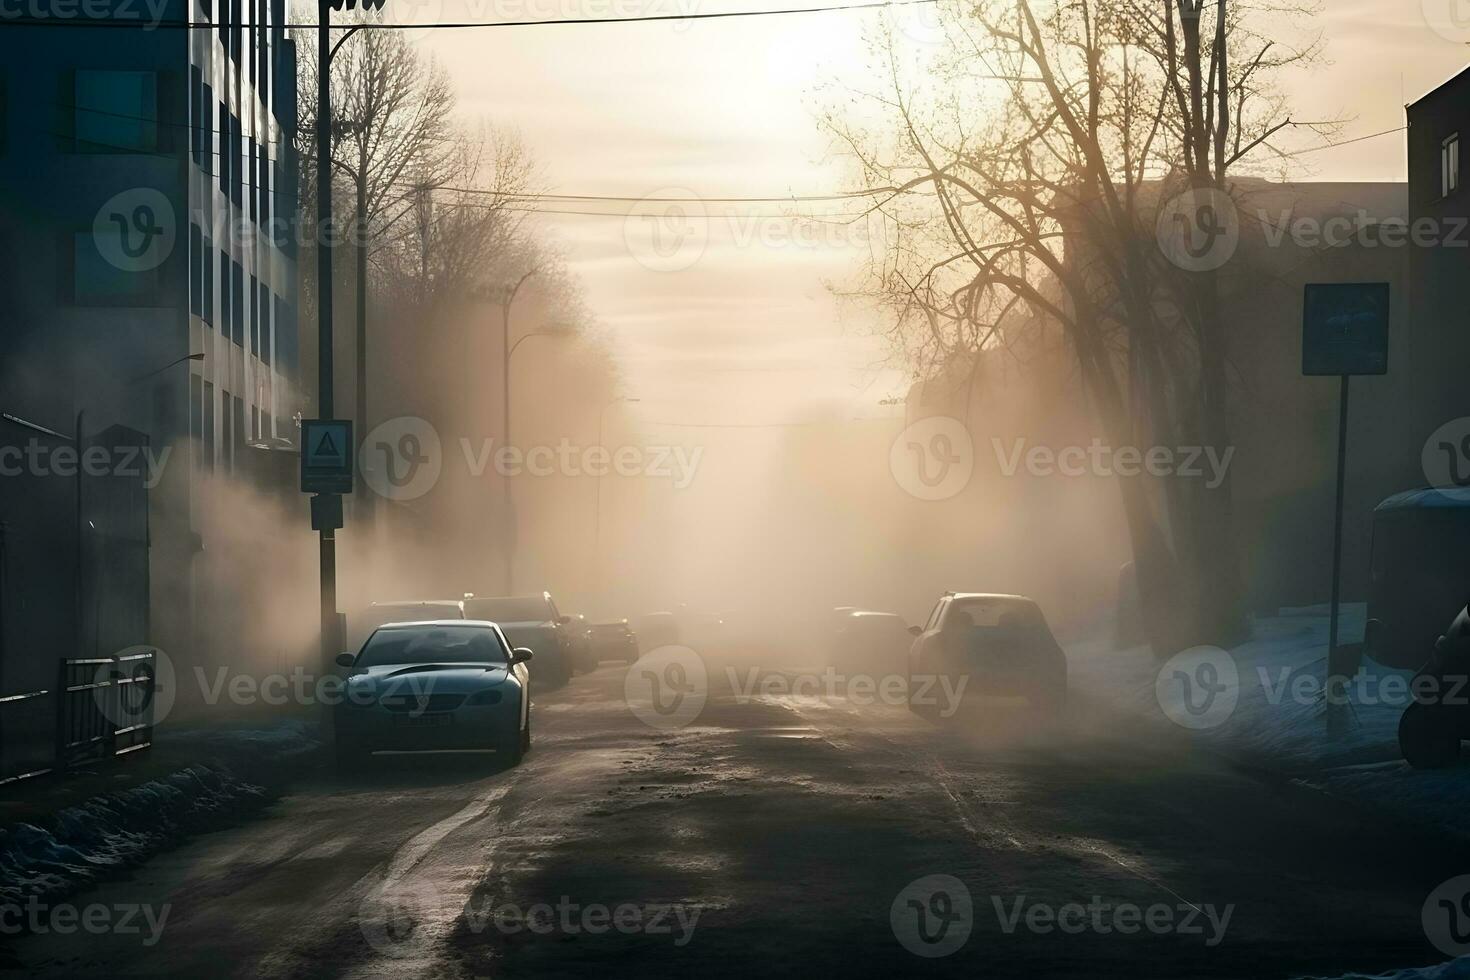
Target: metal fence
(102,708)
(73,580)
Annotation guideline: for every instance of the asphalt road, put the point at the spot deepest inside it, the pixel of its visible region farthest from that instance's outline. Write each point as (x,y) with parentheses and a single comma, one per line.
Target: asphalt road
(781,836)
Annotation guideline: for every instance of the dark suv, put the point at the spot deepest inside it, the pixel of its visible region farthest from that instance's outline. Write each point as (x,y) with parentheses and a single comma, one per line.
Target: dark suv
(531,621)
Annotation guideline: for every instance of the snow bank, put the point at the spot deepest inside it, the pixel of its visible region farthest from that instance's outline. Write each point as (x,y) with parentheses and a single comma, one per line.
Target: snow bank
(108,833)
(1280,714)
(1457,969)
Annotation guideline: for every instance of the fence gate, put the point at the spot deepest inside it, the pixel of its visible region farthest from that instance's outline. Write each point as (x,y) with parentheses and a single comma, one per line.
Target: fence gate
(106,707)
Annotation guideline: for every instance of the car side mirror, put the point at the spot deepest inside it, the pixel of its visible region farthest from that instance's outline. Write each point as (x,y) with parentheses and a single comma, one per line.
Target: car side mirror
(915,630)
(520,655)
(345,660)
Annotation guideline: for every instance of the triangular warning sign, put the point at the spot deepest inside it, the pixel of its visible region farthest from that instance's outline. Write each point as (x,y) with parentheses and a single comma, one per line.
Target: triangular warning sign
(326,447)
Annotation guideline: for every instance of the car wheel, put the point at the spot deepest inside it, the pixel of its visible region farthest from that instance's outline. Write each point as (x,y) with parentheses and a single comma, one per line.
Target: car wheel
(513,744)
(526,735)
(1427,737)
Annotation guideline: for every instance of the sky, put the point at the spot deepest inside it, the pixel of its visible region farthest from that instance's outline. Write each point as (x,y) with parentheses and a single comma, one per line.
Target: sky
(732,319)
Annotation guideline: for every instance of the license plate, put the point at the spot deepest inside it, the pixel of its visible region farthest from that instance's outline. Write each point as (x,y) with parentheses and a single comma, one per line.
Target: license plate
(423,721)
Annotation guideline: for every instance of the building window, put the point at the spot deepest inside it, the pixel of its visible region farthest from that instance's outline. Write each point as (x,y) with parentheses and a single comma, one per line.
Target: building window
(116,111)
(206,457)
(204,122)
(222,163)
(1449,165)
(253,181)
(196,131)
(264,303)
(254,317)
(236,29)
(206,272)
(237,425)
(285,339)
(224,293)
(237,304)
(237,169)
(196,412)
(197,269)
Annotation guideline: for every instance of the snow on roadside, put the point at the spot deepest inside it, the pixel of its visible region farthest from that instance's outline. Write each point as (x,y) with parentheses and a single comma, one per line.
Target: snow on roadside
(1279,721)
(105,834)
(1456,969)
(1280,715)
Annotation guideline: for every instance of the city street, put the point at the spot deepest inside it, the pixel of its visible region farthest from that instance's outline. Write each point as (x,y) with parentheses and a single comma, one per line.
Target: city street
(773,837)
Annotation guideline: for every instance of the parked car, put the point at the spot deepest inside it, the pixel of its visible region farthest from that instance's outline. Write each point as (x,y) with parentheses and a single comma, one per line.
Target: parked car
(440,685)
(657,629)
(612,641)
(531,621)
(401,611)
(580,645)
(873,643)
(1001,643)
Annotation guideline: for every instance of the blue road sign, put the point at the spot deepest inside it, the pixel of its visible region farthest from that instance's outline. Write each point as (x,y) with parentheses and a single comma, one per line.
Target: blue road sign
(326,455)
(1345,328)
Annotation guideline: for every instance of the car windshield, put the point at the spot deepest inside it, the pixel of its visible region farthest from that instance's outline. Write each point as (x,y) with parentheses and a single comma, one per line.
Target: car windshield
(432,645)
(509,609)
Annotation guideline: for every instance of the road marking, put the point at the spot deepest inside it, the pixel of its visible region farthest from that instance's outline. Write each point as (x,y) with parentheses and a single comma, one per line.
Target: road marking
(410,854)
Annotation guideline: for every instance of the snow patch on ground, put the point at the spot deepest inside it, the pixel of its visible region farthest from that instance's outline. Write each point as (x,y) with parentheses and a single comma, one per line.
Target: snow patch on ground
(1280,722)
(1457,969)
(111,832)
(1280,716)
(117,830)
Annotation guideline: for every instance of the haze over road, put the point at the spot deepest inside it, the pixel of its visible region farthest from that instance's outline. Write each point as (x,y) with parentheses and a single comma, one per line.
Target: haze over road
(774,836)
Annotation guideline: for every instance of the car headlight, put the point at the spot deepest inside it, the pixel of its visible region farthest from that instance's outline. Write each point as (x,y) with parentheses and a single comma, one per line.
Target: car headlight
(490,695)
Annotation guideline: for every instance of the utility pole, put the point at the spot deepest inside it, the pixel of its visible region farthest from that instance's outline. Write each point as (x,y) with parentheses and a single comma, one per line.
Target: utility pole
(507,525)
(325,408)
(364,499)
(597,507)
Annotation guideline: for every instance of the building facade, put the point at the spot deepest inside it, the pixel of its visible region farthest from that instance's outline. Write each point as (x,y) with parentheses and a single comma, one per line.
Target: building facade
(1439,273)
(147,222)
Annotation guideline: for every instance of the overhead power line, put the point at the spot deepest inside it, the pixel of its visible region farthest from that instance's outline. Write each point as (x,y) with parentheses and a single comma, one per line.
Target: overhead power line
(143,24)
(1358,139)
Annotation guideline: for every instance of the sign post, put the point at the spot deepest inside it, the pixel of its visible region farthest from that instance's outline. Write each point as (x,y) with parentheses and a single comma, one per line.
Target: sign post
(1344,332)
(326,473)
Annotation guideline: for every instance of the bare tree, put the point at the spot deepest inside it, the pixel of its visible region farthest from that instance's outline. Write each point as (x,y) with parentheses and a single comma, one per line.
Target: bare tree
(1024,179)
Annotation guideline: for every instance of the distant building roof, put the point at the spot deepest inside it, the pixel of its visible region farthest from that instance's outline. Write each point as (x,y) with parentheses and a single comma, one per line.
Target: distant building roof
(1448,82)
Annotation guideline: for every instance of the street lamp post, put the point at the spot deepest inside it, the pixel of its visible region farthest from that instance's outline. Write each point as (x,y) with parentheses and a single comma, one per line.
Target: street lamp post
(597,508)
(508,532)
(330,641)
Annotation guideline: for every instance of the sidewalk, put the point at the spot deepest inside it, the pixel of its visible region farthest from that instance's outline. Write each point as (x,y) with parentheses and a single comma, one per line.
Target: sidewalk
(1278,723)
(60,833)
